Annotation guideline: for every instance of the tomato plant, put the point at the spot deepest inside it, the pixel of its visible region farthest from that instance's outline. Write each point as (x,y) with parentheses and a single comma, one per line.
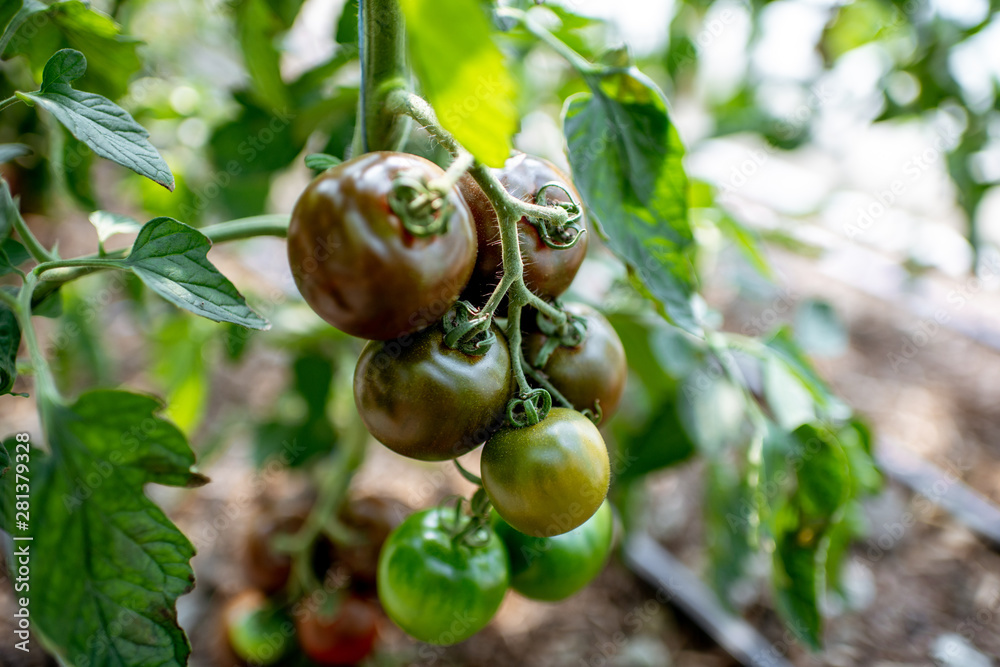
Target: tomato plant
(419,229)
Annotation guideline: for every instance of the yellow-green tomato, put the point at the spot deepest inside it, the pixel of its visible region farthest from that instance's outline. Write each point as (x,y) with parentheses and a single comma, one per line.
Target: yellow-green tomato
(548,478)
(553,568)
(439,589)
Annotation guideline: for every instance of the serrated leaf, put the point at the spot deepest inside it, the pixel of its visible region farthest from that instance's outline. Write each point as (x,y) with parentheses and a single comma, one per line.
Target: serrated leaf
(12,255)
(462,74)
(108,224)
(10,341)
(44,29)
(321,161)
(626,159)
(101,547)
(9,152)
(105,127)
(790,402)
(171,259)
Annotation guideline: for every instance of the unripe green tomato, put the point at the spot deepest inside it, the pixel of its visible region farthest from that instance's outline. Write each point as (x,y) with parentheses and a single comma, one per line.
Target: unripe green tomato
(258,633)
(548,478)
(554,568)
(437,589)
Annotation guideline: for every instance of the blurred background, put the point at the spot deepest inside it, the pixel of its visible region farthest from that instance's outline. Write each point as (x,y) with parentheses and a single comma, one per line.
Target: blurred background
(845,159)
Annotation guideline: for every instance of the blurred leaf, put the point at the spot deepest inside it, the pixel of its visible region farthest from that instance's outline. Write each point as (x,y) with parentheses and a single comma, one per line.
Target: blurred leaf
(727,526)
(236,340)
(347,24)
(106,128)
(258,28)
(101,546)
(789,400)
(782,342)
(8,210)
(171,258)
(824,481)
(181,345)
(798,584)
(12,255)
(661,443)
(10,341)
(42,30)
(7,11)
(857,24)
(108,224)
(77,161)
(313,377)
(819,330)
(748,243)
(855,438)
(9,152)
(462,74)
(626,159)
(712,410)
(840,536)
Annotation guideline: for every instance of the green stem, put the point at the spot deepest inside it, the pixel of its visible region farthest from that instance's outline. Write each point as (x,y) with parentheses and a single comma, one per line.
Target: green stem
(450,178)
(581,64)
(544,383)
(231,230)
(96,263)
(514,343)
(8,102)
(45,386)
(245,228)
(8,300)
(382,32)
(35,248)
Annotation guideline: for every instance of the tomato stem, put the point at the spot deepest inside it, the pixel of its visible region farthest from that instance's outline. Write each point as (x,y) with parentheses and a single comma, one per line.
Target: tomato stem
(382,35)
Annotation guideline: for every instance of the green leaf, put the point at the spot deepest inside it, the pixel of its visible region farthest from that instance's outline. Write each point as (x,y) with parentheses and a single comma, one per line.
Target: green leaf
(9,152)
(105,127)
(748,243)
(12,255)
(855,438)
(462,74)
(66,66)
(42,30)
(819,330)
(8,11)
(321,161)
(108,224)
(4,460)
(727,526)
(347,25)
(712,410)
(626,159)
(171,258)
(790,402)
(782,342)
(10,341)
(258,30)
(823,475)
(798,584)
(100,546)
(659,444)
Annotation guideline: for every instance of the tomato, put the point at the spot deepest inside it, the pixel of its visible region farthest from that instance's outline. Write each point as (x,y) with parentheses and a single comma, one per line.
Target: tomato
(258,633)
(422,399)
(438,589)
(343,638)
(266,567)
(553,568)
(356,264)
(374,518)
(548,478)
(589,373)
(547,271)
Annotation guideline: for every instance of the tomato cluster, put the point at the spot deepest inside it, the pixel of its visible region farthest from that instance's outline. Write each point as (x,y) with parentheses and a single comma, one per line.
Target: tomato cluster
(382,250)
(336,624)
